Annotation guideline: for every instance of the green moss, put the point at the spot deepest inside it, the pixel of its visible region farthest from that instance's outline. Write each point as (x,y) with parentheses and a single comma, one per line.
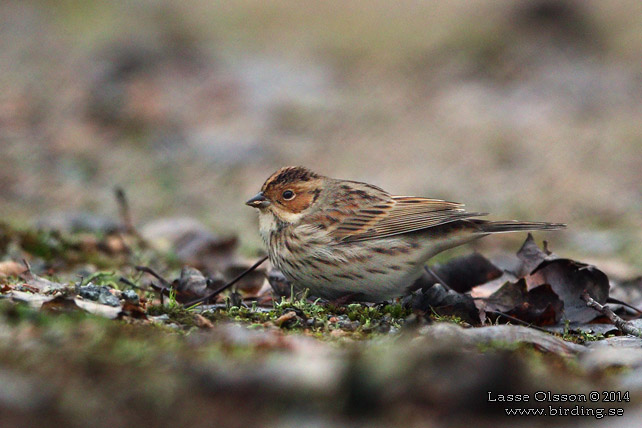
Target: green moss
(448,318)
(357,321)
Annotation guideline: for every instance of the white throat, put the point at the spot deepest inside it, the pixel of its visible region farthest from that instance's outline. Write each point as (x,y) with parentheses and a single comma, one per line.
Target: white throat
(268,223)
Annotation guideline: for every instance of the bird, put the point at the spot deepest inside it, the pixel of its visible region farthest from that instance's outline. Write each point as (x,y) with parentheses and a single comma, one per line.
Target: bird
(342,238)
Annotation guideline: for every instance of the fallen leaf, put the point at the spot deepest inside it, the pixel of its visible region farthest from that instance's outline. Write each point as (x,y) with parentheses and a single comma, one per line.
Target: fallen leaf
(569,279)
(531,256)
(132,310)
(541,307)
(285,318)
(443,302)
(538,306)
(34,300)
(99,309)
(192,284)
(11,268)
(487,289)
(202,322)
(39,283)
(507,297)
(546,289)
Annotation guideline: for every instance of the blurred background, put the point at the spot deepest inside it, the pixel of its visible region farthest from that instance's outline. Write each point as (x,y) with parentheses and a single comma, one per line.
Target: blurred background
(525,109)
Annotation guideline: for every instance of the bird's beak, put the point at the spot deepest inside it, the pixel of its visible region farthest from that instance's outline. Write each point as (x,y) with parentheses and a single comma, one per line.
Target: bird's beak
(258,201)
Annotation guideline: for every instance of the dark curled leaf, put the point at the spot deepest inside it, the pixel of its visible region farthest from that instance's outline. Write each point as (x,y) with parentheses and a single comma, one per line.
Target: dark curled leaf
(463,273)
(538,306)
(568,279)
(510,295)
(192,284)
(541,307)
(531,256)
(444,302)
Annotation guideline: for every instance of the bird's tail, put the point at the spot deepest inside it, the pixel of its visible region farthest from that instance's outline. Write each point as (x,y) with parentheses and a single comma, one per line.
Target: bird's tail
(517,226)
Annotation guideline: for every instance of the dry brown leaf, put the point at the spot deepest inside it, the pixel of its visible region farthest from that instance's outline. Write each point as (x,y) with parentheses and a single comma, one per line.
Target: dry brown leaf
(202,322)
(549,288)
(285,318)
(11,268)
(569,279)
(41,284)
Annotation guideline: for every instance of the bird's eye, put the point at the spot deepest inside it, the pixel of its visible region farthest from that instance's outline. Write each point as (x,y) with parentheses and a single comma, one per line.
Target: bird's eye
(288,195)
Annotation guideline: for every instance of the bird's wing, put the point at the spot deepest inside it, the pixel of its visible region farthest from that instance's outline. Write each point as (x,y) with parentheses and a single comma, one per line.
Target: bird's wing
(395,215)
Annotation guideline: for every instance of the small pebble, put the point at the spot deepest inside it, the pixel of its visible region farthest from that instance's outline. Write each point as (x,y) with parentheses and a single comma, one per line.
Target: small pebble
(99,294)
(89,292)
(106,298)
(130,296)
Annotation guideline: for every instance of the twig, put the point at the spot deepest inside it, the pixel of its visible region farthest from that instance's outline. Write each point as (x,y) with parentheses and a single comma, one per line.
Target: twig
(165,286)
(128,282)
(153,273)
(440,280)
(161,293)
(624,326)
(27,265)
(626,305)
(228,285)
(123,209)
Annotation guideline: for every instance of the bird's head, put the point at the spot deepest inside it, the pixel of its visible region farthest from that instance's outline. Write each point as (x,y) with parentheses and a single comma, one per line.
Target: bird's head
(288,193)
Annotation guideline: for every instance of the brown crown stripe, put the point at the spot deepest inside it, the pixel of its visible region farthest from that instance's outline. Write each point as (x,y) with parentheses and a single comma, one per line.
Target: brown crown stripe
(290,175)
